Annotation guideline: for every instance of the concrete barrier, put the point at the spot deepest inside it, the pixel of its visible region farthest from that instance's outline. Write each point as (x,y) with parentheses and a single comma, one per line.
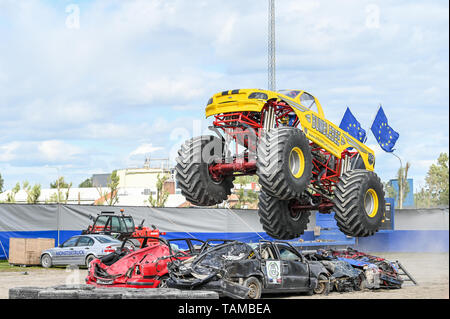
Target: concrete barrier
(91,292)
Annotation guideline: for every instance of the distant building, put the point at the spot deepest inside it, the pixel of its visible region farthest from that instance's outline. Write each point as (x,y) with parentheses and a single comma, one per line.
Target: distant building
(135,187)
(141,177)
(100,180)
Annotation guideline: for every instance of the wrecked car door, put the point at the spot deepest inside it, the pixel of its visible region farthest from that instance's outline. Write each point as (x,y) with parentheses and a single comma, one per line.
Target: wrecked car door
(270,266)
(294,267)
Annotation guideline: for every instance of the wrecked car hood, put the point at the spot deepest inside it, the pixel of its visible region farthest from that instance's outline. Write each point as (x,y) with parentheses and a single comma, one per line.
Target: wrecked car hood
(210,270)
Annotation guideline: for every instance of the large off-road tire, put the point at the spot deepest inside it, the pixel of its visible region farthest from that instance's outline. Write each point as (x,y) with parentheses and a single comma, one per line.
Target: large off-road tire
(284,162)
(359,203)
(279,219)
(193,177)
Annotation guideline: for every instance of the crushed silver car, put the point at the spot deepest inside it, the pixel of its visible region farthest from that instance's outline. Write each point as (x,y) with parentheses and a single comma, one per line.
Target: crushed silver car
(79,250)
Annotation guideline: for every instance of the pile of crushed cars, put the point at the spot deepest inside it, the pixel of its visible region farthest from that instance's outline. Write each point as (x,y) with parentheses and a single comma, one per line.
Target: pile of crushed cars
(353,270)
(240,270)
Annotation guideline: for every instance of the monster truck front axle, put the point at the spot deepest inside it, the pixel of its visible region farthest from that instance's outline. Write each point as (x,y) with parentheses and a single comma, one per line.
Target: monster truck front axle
(217,171)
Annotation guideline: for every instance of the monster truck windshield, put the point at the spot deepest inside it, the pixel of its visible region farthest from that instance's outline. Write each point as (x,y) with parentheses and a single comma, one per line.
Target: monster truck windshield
(308,100)
(291,93)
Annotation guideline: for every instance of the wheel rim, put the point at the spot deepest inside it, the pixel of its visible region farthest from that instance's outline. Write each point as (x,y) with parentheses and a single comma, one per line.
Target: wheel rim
(46,261)
(253,291)
(296,162)
(320,288)
(371,202)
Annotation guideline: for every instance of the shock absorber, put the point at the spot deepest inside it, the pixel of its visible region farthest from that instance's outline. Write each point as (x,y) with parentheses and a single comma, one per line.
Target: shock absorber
(269,117)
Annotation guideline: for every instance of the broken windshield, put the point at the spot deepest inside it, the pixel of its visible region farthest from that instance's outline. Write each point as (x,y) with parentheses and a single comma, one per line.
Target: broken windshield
(217,257)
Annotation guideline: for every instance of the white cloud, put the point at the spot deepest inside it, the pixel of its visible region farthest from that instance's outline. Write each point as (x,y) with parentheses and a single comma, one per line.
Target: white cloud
(145,149)
(34,153)
(92,96)
(57,151)
(7,151)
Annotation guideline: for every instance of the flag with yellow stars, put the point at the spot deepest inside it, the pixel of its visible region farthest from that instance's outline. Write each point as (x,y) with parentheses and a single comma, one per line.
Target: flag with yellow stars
(383,133)
(352,126)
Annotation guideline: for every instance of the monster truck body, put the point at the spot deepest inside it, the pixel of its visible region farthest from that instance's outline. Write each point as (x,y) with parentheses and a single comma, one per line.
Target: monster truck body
(303,161)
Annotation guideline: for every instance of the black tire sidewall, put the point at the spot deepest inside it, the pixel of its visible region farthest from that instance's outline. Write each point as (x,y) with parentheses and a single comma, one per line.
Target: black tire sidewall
(296,227)
(216,145)
(372,223)
(276,220)
(193,175)
(297,139)
(212,185)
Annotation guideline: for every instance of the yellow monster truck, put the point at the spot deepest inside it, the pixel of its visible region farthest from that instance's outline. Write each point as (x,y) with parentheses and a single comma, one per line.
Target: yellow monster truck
(303,161)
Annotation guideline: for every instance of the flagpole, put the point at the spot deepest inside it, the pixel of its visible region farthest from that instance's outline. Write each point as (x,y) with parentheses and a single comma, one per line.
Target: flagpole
(373,118)
(400,184)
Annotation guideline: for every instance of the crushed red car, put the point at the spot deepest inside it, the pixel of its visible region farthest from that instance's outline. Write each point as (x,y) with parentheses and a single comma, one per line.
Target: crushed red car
(145,267)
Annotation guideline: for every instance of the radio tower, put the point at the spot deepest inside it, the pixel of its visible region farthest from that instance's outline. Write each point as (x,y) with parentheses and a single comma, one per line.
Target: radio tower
(271,46)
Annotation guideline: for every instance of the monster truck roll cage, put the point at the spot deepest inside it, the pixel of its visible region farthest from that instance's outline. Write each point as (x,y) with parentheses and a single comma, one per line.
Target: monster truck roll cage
(239,126)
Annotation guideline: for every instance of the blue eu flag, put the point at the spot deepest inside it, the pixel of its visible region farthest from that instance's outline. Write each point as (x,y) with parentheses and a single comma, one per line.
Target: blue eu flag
(384,134)
(352,126)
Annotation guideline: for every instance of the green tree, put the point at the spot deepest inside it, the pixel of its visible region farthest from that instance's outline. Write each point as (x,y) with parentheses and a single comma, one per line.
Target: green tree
(437,180)
(245,196)
(161,194)
(422,199)
(33,193)
(436,190)
(61,195)
(62,183)
(403,186)
(1,184)
(11,196)
(389,190)
(86,183)
(110,196)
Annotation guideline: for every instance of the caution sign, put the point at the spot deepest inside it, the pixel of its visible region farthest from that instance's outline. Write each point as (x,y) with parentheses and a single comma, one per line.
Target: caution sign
(273,270)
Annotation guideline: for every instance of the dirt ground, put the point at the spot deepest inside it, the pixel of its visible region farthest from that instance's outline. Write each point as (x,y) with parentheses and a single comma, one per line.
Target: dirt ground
(431,270)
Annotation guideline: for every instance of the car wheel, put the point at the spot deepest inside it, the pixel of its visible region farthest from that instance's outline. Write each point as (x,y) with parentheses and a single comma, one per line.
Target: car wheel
(46,261)
(163,281)
(89,259)
(322,285)
(255,287)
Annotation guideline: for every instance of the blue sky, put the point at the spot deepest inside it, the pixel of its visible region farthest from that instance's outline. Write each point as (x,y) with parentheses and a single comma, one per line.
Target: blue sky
(92,86)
